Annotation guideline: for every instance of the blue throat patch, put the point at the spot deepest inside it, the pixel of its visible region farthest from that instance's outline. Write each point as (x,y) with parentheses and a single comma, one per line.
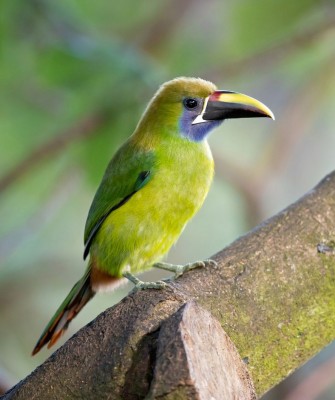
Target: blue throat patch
(197,132)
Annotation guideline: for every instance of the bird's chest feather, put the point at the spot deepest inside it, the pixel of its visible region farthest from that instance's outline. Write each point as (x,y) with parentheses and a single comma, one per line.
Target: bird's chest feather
(185,177)
(178,187)
(180,183)
(145,228)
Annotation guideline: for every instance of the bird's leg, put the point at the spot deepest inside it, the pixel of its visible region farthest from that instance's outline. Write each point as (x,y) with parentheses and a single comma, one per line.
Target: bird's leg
(180,269)
(140,285)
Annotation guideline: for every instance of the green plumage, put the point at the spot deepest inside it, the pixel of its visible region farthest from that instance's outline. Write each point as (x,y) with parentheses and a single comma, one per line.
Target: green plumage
(151,188)
(141,231)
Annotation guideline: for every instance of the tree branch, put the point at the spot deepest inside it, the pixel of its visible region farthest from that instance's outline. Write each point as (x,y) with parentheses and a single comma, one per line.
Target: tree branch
(272,291)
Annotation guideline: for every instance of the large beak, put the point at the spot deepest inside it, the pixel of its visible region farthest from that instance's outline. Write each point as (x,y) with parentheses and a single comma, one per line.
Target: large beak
(223,104)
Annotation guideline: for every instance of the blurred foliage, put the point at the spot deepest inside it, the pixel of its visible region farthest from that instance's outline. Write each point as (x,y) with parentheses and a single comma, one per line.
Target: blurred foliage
(75,78)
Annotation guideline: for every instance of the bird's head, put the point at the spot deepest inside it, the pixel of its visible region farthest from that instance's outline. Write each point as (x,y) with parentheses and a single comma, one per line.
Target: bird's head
(192,107)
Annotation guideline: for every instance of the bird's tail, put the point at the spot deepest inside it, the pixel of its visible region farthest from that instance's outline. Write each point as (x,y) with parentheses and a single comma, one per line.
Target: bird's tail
(79,295)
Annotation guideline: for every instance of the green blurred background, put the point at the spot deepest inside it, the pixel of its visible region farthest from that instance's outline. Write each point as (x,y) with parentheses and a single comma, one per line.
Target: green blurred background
(75,77)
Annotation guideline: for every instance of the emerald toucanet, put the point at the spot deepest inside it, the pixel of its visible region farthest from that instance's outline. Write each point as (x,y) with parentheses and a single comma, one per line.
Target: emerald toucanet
(152,186)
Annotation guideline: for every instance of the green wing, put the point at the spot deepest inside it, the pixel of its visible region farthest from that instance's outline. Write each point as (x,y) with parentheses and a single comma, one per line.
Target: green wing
(126,174)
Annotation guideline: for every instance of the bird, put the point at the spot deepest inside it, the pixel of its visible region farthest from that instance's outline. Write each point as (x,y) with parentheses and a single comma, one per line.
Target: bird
(154,184)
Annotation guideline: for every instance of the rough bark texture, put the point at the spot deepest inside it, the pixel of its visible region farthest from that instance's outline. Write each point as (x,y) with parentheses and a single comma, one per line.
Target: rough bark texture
(272,291)
(195,359)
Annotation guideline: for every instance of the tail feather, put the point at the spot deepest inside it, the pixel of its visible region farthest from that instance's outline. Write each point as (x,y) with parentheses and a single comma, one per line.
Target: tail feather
(79,295)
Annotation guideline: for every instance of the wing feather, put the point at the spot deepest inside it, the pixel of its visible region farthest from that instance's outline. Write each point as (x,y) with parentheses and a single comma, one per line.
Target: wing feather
(142,179)
(127,173)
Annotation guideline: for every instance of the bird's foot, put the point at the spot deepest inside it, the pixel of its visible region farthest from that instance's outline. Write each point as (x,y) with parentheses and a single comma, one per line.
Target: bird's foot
(180,269)
(140,285)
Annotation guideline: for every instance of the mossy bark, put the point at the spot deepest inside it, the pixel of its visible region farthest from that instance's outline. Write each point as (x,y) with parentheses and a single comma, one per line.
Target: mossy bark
(273,292)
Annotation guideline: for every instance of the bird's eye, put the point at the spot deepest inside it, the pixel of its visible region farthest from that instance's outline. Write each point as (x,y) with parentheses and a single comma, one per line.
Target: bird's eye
(190,103)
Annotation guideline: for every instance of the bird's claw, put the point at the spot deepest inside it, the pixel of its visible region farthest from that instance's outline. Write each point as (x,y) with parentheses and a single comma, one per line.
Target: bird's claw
(140,285)
(179,270)
(149,285)
(210,263)
(197,264)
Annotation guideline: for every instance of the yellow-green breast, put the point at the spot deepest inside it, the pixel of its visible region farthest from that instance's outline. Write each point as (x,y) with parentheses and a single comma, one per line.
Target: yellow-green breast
(143,230)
